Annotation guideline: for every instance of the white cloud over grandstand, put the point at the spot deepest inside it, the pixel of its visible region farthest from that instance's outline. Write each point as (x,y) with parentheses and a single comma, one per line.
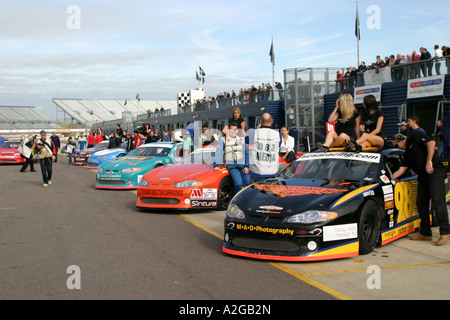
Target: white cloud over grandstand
(154,47)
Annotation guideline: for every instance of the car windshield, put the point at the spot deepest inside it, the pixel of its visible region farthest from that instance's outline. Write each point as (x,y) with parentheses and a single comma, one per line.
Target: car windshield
(329,166)
(102,145)
(10,145)
(150,152)
(200,156)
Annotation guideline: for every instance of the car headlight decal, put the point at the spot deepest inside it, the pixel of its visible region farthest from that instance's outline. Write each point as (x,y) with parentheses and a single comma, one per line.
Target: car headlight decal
(188,184)
(313,216)
(235,212)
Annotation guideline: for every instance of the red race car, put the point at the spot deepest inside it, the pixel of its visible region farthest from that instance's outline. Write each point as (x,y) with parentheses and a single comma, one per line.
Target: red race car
(191,184)
(9,152)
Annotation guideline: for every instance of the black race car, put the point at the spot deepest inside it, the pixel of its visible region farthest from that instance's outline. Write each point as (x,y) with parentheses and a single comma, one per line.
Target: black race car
(323,206)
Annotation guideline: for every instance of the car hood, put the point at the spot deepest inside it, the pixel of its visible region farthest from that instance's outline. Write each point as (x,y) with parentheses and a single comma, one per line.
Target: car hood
(107,152)
(179,172)
(126,162)
(290,196)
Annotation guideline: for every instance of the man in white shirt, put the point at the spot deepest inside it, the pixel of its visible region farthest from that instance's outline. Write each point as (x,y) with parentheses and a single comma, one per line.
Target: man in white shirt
(265,144)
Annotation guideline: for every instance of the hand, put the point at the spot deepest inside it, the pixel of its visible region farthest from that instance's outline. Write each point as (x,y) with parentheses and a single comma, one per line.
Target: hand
(246,170)
(216,168)
(429,167)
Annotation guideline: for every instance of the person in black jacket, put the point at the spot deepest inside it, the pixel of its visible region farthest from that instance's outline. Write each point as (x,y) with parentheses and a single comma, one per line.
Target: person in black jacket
(421,158)
(427,67)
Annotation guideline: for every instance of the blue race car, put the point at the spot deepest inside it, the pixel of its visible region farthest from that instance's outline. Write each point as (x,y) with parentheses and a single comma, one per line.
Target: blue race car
(126,172)
(100,157)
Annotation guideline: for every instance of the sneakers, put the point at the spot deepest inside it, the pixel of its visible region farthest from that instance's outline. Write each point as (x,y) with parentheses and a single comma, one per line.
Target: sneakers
(49,182)
(45,185)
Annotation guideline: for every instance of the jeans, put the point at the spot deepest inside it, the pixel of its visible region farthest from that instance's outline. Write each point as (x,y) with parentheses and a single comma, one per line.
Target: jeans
(46,169)
(432,187)
(239,178)
(70,158)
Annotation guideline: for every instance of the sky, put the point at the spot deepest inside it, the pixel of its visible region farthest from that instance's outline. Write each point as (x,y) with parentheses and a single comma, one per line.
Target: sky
(96,49)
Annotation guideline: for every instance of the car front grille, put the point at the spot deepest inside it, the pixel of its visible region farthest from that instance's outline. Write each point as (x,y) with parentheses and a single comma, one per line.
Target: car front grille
(160,201)
(112,182)
(266,245)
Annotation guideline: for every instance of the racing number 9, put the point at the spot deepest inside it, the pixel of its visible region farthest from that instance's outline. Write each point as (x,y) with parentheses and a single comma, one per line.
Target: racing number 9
(404,200)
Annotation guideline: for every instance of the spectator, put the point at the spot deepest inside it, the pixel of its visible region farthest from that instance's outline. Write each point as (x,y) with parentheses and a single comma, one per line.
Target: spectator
(236,117)
(91,139)
(57,145)
(438,55)
(81,141)
(427,68)
(305,138)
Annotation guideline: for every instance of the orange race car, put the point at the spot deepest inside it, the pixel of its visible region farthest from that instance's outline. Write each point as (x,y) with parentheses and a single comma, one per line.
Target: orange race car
(191,184)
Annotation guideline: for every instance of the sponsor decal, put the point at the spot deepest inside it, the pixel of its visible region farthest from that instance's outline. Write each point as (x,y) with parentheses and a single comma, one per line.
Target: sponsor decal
(205,194)
(286,191)
(387,189)
(367,157)
(274,231)
(388,197)
(271,208)
(340,232)
(162,193)
(389,205)
(203,204)
(385,179)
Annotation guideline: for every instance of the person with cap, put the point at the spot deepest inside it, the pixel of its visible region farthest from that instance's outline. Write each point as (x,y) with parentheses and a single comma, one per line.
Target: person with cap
(404,129)
(45,148)
(57,144)
(421,158)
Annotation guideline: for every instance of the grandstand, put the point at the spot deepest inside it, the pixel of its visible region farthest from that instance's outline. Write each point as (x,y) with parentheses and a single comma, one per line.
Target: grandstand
(24,118)
(88,112)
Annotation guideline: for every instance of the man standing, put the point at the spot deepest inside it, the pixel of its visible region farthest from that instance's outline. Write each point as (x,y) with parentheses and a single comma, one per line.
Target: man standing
(27,153)
(82,141)
(420,157)
(305,138)
(57,145)
(265,148)
(438,55)
(45,149)
(234,152)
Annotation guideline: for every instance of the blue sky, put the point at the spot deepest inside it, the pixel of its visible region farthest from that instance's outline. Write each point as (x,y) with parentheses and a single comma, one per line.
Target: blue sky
(120,48)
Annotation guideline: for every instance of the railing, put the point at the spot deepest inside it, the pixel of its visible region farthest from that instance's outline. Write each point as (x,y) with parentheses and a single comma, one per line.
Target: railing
(233,101)
(398,72)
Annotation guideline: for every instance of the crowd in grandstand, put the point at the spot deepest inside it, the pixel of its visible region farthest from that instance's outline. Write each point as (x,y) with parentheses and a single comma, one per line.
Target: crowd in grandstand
(245,95)
(420,65)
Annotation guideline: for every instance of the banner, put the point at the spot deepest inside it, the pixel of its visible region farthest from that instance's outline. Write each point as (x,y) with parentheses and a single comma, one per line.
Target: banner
(426,87)
(361,92)
(376,76)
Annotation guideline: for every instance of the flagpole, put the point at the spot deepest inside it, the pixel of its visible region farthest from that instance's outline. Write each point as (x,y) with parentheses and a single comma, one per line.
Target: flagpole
(273,72)
(357,31)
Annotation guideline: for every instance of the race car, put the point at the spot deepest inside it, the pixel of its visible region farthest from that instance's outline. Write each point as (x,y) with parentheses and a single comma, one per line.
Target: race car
(126,172)
(9,153)
(98,158)
(191,184)
(81,157)
(323,206)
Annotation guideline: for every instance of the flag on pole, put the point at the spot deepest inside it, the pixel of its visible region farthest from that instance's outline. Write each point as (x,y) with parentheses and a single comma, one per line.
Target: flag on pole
(200,75)
(357,27)
(272,54)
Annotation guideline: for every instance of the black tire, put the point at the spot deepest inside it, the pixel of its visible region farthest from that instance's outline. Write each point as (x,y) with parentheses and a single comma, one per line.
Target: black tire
(224,194)
(369,227)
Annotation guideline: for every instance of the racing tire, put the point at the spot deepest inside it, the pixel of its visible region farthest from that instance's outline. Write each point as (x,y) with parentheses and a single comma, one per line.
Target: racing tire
(224,193)
(369,227)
